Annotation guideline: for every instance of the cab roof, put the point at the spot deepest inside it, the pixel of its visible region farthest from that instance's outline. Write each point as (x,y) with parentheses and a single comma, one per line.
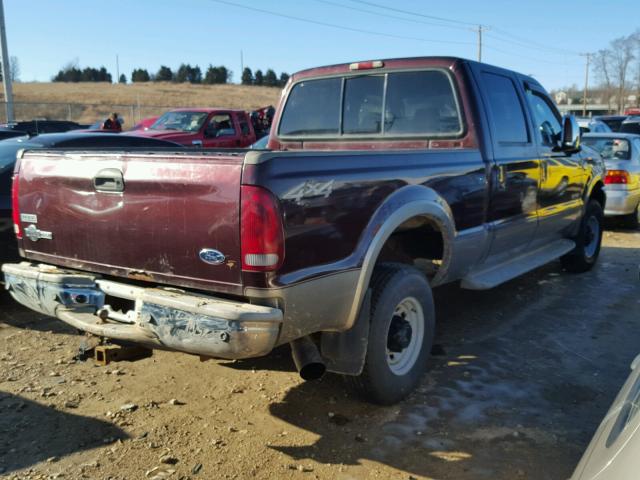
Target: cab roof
(396,63)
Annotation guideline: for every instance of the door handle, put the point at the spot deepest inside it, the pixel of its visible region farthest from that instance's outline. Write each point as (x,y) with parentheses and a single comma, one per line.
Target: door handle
(109,180)
(196,143)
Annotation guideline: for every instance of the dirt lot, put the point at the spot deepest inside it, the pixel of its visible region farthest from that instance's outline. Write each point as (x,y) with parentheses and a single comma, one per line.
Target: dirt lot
(521,377)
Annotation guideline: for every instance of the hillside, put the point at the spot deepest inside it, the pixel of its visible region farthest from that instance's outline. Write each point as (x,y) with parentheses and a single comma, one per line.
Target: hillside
(88,102)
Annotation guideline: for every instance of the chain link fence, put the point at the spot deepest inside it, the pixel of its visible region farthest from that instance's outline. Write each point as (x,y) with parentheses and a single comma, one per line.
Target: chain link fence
(83,113)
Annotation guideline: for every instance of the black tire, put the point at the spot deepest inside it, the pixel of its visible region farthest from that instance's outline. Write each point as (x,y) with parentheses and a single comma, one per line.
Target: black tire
(394,286)
(584,256)
(633,221)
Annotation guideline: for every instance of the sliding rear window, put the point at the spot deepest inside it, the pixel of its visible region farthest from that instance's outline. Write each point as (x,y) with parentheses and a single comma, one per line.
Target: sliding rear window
(414,104)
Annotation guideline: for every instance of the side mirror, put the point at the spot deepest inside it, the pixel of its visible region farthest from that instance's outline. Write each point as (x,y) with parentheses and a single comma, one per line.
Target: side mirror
(210,132)
(570,141)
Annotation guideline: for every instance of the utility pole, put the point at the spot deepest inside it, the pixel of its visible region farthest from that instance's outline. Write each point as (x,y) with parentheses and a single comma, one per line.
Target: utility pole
(586,84)
(117,69)
(6,73)
(241,65)
(480,29)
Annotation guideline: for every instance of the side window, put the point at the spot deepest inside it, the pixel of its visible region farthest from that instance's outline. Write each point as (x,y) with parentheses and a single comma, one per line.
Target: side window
(244,128)
(507,115)
(362,110)
(546,121)
(313,108)
(421,103)
(221,125)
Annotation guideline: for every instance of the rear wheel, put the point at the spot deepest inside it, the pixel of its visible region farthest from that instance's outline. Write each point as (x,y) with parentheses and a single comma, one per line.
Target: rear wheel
(588,241)
(400,335)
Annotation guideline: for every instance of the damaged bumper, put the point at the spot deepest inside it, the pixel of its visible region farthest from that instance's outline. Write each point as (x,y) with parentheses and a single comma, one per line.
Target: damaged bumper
(160,318)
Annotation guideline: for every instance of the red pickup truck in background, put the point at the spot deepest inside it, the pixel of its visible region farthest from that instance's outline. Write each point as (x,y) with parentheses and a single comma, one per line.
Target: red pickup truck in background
(203,127)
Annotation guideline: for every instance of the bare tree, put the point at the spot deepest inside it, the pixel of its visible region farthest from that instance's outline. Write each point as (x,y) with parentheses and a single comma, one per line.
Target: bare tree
(602,68)
(14,68)
(622,50)
(636,42)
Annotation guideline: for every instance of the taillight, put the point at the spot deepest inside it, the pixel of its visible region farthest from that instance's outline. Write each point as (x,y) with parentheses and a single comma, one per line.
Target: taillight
(261,230)
(616,177)
(15,208)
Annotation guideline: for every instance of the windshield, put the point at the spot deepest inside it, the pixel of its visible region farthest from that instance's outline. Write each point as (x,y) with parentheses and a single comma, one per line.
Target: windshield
(181,121)
(610,148)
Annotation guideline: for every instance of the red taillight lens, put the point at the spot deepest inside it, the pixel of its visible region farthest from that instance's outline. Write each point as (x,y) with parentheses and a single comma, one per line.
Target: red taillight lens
(616,177)
(261,231)
(14,207)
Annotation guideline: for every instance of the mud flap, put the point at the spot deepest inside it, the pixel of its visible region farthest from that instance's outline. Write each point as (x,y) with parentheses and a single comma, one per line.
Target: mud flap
(345,352)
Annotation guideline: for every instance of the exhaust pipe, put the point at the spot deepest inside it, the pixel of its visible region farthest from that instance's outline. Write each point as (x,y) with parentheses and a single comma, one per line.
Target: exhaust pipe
(307,359)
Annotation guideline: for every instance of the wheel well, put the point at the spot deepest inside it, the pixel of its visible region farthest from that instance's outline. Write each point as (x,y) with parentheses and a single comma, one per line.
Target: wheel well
(417,242)
(598,194)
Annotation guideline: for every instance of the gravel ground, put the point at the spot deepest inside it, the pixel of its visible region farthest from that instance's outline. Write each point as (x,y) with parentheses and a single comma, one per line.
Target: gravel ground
(520,378)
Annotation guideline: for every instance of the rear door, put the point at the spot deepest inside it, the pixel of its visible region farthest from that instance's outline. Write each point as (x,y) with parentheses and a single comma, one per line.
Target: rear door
(563,175)
(141,216)
(512,212)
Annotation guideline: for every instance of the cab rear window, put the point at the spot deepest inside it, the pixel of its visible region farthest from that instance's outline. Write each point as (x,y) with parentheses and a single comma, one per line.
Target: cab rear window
(313,108)
(416,103)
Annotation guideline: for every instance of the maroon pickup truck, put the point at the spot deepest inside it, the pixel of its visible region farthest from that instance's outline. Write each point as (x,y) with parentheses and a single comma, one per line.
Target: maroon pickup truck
(384,179)
(202,127)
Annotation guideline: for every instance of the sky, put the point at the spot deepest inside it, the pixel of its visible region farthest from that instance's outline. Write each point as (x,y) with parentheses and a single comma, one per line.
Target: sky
(542,38)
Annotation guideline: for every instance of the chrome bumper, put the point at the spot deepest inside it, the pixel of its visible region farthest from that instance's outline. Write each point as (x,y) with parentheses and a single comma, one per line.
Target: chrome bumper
(168,319)
(621,202)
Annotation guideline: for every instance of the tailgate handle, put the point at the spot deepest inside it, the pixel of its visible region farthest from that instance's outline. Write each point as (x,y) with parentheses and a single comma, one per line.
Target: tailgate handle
(109,180)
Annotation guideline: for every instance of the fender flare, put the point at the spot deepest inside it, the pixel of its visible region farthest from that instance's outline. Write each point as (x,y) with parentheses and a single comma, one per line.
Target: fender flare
(406,203)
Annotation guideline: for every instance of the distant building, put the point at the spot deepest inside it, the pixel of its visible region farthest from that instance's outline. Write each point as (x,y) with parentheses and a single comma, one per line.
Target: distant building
(560,97)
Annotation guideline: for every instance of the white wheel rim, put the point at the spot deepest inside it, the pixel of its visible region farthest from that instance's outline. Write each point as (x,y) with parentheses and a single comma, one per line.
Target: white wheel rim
(410,311)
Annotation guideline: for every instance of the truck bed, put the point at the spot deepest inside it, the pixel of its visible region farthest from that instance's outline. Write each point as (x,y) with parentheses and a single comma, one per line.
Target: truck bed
(170,205)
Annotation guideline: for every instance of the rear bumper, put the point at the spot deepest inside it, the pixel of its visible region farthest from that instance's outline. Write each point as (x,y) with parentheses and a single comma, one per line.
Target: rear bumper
(621,202)
(167,319)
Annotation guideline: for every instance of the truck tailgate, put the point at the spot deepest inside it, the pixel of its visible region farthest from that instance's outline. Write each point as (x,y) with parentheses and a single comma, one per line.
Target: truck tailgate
(152,227)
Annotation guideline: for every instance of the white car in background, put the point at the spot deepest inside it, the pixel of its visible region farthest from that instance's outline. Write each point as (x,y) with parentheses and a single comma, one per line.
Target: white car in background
(621,155)
(614,451)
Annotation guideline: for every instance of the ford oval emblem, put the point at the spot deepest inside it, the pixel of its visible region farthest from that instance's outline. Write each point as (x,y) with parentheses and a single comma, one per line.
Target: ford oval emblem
(211,256)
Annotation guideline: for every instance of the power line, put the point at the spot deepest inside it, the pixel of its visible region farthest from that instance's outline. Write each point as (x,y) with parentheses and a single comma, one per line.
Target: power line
(333,25)
(505,39)
(514,54)
(417,14)
(386,15)
(523,41)
(531,44)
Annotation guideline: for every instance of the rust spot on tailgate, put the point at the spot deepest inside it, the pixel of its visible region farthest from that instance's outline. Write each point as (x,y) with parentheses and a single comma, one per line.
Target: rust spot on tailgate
(140,275)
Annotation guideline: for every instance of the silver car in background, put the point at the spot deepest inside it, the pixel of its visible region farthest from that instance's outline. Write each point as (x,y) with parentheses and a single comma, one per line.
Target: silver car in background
(613,453)
(621,155)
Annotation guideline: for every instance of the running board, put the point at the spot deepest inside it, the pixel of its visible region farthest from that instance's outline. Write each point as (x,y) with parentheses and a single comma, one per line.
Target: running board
(497,274)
